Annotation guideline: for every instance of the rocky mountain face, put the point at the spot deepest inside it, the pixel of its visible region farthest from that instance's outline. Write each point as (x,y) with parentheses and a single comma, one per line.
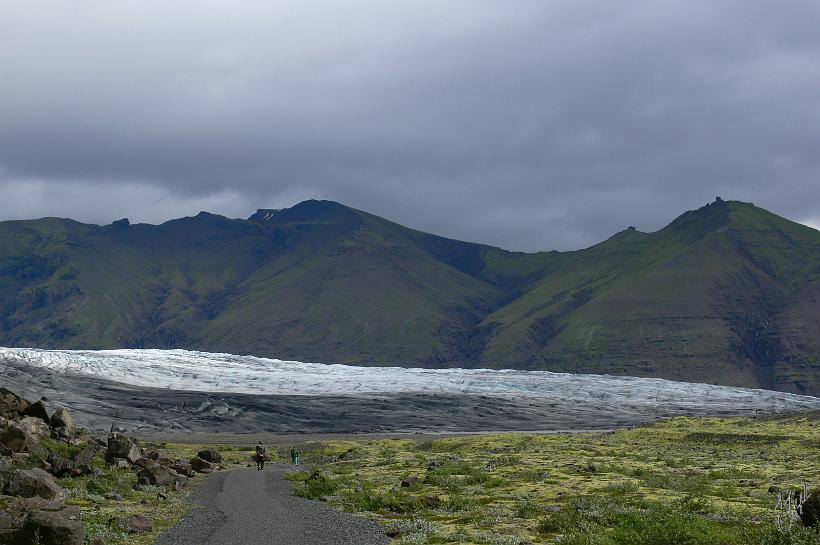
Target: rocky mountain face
(727,294)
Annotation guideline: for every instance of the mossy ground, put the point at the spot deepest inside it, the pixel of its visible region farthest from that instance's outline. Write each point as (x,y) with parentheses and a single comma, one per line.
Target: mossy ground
(683,481)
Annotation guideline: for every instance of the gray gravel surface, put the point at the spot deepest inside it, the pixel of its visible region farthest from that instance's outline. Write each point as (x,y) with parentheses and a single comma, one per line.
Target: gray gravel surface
(248,506)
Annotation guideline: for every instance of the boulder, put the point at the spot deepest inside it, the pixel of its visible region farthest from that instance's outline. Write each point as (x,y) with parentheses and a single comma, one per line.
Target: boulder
(27,483)
(136,524)
(59,466)
(62,527)
(63,423)
(84,457)
(210,455)
(409,482)
(34,427)
(184,468)
(15,438)
(12,406)
(38,410)
(122,446)
(156,475)
(810,511)
(113,496)
(165,462)
(201,466)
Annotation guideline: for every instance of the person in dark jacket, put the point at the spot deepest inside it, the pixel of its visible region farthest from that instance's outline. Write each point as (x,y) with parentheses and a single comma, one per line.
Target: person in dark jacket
(260,456)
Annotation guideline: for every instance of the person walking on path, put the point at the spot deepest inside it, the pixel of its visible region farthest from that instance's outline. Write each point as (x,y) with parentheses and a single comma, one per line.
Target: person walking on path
(294,456)
(260,456)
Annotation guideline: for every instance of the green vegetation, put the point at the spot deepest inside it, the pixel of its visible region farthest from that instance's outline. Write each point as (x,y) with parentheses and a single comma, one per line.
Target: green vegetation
(684,481)
(724,294)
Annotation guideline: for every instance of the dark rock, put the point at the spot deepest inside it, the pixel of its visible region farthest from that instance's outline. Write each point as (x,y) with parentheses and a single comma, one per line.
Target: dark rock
(180,482)
(122,446)
(27,483)
(810,511)
(136,524)
(84,457)
(12,406)
(184,468)
(113,496)
(15,438)
(409,482)
(165,462)
(63,527)
(156,475)
(145,463)
(63,422)
(152,454)
(210,455)
(38,410)
(199,465)
(59,466)
(432,501)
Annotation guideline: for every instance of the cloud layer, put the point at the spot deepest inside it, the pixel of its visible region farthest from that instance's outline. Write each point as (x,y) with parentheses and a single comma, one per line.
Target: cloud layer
(531,125)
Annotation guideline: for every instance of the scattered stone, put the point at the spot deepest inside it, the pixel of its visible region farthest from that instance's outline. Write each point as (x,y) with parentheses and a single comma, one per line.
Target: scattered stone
(185,468)
(330,498)
(121,446)
(210,455)
(38,410)
(136,524)
(27,483)
(810,511)
(161,496)
(552,508)
(12,406)
(113,496)
(15,438)
(201,466)
(409,482)
(157,475)
(62,527)
(59,466)
(432,501)
(63,423)
(84,457)
(35,427)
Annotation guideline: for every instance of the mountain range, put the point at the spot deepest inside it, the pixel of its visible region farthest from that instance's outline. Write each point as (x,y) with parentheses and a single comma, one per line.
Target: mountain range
(726,294)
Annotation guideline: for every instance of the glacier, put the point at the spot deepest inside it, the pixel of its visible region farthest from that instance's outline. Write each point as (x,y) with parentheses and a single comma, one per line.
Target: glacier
(526,398)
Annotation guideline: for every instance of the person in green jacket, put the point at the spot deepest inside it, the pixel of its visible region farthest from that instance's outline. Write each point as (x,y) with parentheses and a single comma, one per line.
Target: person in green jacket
(294,456)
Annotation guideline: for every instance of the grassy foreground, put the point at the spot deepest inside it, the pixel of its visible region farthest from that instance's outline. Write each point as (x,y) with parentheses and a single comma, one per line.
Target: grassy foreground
(684,481)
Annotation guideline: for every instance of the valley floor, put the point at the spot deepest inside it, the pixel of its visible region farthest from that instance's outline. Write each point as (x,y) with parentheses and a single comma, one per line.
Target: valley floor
(696,481)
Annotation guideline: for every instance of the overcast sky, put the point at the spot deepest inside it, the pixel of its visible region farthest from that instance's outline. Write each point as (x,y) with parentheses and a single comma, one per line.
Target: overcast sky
(525,124)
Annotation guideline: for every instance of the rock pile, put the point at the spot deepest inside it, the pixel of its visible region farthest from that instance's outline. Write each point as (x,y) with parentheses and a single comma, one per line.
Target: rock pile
(37,447)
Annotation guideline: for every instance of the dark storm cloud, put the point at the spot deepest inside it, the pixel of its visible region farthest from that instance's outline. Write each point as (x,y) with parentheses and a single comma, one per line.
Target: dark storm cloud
(527,124)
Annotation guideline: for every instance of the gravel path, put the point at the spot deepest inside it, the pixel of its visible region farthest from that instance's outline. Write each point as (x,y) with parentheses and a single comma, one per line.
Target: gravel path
(246,506)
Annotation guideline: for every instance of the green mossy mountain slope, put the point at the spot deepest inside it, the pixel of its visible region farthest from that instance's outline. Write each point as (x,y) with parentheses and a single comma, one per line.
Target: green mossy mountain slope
(729,294)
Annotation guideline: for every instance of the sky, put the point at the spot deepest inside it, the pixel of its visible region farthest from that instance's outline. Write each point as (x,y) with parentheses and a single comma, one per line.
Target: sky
(531,125)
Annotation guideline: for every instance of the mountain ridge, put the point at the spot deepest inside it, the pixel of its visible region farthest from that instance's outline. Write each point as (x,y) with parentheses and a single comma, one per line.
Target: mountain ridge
(727,293)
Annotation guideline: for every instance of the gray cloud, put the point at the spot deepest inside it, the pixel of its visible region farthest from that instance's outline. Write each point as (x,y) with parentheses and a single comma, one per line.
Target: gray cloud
(530,125)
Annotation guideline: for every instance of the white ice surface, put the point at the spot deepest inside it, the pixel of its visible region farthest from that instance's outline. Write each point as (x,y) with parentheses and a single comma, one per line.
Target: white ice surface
(210,372)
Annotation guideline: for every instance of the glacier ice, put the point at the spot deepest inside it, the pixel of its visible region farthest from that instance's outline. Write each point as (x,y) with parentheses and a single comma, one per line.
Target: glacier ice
(226,373)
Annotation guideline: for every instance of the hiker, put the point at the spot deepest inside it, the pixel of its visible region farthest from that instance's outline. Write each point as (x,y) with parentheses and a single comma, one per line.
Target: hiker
(260,457)
(294,456)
